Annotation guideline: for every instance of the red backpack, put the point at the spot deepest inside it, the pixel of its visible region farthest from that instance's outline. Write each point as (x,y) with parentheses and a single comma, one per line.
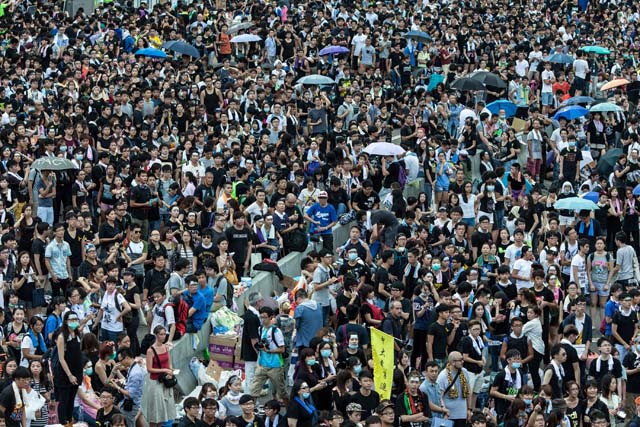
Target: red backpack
(181,313)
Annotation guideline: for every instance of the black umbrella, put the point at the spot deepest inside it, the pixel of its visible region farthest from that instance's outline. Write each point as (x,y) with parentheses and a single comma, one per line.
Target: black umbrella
(489,79)
(53,164)
(608,161)
(466,84)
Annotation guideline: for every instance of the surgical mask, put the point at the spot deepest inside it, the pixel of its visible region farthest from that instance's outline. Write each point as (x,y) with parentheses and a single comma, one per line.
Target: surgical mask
(74,325)
(306,394)
(435,267)
(572,144)
(326,339)
(357,369)
(79,157)
(266,109)
(113,356)
(353,257)
(63,148)
(88,371)
(325,353)
(424,296)
(516,365)
(491,188)
(502,116)
(13,120)
(311,362)
(353,346)
(527,401)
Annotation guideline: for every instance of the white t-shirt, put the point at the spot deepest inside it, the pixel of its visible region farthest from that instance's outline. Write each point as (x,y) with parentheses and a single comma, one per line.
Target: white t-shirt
(580,67)
(513,253)
(28,344)
(582,280)
(522,66)
(163,316)
(524,270)
(547,75)
(110,312)
(358,43)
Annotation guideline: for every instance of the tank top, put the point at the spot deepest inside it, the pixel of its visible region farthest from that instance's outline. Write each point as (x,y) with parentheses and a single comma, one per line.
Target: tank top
(164,363)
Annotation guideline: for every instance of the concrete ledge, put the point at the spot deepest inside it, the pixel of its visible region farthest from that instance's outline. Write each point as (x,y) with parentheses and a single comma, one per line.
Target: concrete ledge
(181,355)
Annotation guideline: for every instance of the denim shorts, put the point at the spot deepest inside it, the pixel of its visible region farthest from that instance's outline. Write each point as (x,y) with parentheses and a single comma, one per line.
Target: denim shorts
(600,289)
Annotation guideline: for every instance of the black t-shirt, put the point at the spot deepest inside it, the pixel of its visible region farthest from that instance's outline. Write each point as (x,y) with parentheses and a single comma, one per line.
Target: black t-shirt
(570,159)
(461,332)
(297,412)
(75,244)
(597,374)
(544,295)
(104,420)
(364,202)
(38,247)
(343,301)
(504,387)
(12,415)
(381,276)
(250,331)
(440,334)
(632,361)
(140,194)
(368,403)
(625,326)
(572,357)
(203,254)
(417,405)
(470,351)
(238,243)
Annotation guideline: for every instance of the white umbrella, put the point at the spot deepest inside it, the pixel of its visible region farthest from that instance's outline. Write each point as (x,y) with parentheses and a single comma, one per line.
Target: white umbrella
(245,38)
(383,149)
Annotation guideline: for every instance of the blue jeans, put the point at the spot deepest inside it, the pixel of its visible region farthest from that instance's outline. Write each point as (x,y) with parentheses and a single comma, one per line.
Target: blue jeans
(46,214)
(108,335)
(499,220)
(428,189)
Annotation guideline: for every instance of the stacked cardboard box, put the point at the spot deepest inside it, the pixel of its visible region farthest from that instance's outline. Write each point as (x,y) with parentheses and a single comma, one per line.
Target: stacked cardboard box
(225,350)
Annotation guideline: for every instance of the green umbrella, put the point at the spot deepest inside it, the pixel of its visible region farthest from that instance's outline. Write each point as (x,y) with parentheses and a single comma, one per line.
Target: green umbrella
(605,107)
(598,50)
(608,161)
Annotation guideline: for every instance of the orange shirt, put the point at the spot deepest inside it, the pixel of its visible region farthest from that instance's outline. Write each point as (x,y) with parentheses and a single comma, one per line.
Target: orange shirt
(225,46)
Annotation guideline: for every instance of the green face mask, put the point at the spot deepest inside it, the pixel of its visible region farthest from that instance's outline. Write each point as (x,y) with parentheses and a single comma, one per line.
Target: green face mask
(113,356)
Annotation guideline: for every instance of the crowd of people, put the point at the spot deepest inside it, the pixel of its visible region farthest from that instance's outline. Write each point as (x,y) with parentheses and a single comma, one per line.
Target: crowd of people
(195,154)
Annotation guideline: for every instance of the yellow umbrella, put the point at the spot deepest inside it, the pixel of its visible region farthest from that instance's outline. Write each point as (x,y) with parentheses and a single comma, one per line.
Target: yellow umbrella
(615,83)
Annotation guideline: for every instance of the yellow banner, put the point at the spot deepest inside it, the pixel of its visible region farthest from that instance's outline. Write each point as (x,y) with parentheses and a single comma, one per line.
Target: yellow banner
(382,349)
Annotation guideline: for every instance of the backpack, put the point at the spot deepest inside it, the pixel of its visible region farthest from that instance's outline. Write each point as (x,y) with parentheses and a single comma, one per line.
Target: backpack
(285,355)
(180,312)
(229,293)
(127,318)
(402,176)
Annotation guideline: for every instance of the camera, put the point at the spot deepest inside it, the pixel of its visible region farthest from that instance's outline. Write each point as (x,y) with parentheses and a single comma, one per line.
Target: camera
(263,344)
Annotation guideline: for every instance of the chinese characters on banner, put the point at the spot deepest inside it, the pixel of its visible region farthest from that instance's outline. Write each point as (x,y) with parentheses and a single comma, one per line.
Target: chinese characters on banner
(382,349)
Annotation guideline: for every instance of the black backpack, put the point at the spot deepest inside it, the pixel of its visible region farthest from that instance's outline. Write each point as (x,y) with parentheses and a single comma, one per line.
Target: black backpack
(229,294)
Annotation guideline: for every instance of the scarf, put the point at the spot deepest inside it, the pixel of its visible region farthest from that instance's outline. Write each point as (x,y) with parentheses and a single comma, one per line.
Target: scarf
(306,405)
(558,369)
(609,363)
(478,344)
(407,270)
(517,384)
(19,395)
(37,341)
(453,391)
(411,406)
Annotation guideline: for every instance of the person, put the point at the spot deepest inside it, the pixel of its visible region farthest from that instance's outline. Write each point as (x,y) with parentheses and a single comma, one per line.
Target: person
(606,363)
(58,261)
(271,347)
(300,410)
(132,391)
(12,398)
(157,399)
(231,399)
(113,308)
(507,384)
(308,318)
(191,407)
(624,325)
(69,372)
(104,416)
(209,413)
(456,392)
(472,346)
(249,417)
(418,409)
(439,335)
(554,374)
(251,336)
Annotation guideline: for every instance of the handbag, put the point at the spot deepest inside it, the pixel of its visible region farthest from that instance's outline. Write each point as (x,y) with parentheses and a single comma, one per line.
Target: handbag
(53,412)
(37,298)
(231,276)
(166,380)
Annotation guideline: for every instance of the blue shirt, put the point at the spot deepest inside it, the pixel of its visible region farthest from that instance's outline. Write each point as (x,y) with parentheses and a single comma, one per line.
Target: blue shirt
(207,294)
(433,392)
(609,310)
(196,301)
(274,337)
(52,324)
(58,253)
(325,215)
(135,381)
(308,316)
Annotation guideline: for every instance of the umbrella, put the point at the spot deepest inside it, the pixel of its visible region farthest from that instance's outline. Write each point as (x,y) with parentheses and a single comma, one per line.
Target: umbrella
(418,35)
(467,84)
(316,79)
(598,50)
(489,79)
(571,112)
(183,48)
(434,81)
(606,162)
(636,190)
(246,38)
(575,204)
(53,164)
(578,100)
(168,44)
(605,107)
(383,149)
(503,104)
(594,196)
(333,50)
(151,53)
(560,58)
(239,27)
(615,83)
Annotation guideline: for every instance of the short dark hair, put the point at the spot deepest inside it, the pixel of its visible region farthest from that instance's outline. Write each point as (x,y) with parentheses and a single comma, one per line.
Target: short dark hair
(190,402)
(267,310)
(21,372)
(126,353)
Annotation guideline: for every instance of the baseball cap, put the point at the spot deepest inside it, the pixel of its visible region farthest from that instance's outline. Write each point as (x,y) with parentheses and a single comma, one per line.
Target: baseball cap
(322,194)
(354,407)
(384,405)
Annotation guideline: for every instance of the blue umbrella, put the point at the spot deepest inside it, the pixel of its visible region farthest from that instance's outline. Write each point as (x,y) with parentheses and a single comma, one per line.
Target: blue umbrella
(560,58)
(151,53)
(594,196)
(183,48)
(333,50)
(575,204)
(434,81)
(418,35)
(571,112)
(636,190)
(578,100)
(503,104)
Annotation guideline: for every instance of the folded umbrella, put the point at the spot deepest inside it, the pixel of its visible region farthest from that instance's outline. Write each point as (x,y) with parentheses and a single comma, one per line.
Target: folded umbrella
(575,204)
(383,149)
(333,50)
(465,84)
(615,83)
(605,107)
(503,104)
(571,112)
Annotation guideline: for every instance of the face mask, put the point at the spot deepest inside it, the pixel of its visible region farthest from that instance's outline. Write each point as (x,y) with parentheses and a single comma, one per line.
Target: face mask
(13,120)
(63,148)
(326,339)
(234,393)
(353,257)
(503,117)
(74,325)
(527,401)
(435,267)
(79,157)
(353,346)
(491,188)
(572,144)
(357,369)
(516,365)
(311,362)
(266,110)
(400,248)
(306,394)
(113,356)
(88,371)
(424,296)
(325,353)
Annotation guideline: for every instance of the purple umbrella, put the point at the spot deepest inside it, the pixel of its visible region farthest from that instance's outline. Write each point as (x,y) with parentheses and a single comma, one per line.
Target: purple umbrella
(333,50)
